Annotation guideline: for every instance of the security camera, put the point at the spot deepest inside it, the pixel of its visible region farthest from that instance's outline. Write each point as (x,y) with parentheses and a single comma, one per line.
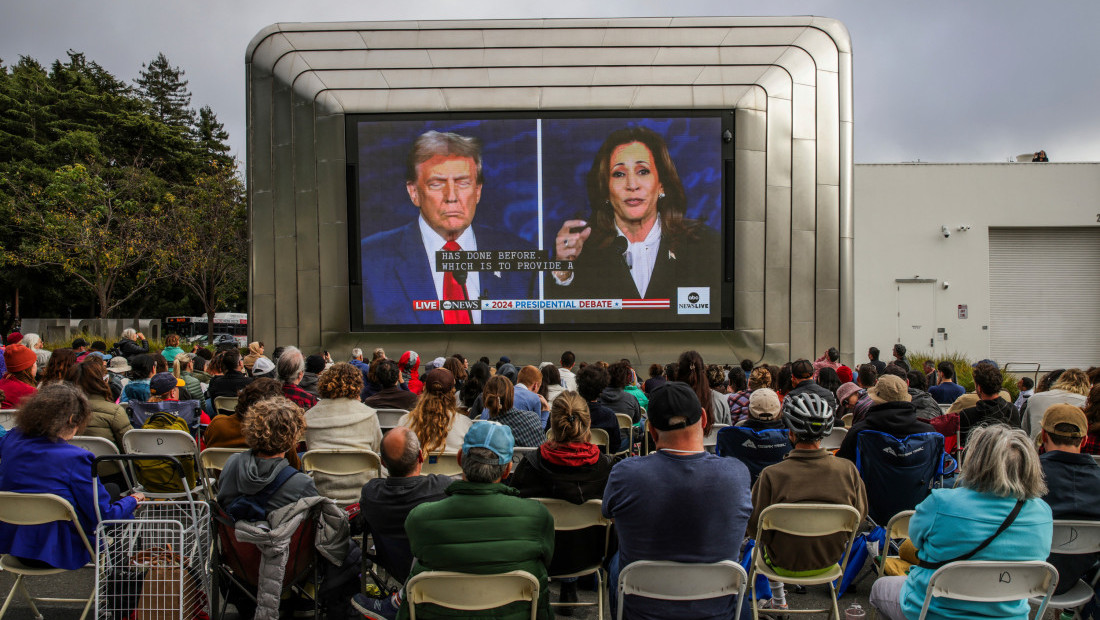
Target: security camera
(946,284)
(946,231)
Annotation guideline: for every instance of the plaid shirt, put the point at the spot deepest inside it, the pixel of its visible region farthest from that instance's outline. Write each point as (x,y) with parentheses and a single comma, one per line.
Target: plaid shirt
(1091,445)
(526,427)
(739,406)
(298,396)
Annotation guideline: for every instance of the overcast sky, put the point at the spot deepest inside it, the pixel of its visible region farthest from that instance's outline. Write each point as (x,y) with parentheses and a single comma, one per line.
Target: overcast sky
(958,80)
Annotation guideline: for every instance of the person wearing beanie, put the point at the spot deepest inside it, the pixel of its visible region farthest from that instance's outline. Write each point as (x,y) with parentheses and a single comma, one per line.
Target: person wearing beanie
(315,365)
(22,366)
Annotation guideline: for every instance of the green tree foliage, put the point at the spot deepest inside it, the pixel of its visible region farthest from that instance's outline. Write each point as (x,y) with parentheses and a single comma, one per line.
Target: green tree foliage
(89,168)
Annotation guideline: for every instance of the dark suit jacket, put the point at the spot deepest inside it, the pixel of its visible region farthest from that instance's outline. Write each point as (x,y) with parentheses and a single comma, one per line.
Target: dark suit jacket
(601,273)
(396,272)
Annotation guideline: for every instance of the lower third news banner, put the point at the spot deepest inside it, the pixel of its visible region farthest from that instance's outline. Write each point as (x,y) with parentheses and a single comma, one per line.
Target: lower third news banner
(540,304)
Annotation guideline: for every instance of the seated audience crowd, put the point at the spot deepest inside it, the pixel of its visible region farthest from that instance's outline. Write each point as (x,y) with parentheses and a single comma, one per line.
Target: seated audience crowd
(701,452)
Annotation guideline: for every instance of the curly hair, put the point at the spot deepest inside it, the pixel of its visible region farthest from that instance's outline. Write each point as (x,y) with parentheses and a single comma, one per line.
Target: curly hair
(570,420)
(760,378)
(255,391)
(52,410)
(341,380)
(60,362)
(499,395)
(172,340)
(716,375)
(273,426)
(431,419)
(1073,380)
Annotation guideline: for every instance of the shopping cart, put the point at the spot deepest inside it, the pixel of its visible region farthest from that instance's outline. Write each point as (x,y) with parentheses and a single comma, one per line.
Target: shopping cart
(155,566)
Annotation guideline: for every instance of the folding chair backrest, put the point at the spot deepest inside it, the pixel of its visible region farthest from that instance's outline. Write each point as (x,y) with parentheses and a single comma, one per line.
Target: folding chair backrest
(467,592)
(679,581)
(225,404)
(809,519)
(1075,537)
(625,421)
(898,472)
(989,582)
(445,464)
(387,418)
(600,438)
(711,440)
(582,535)
(7,419)
(99,446)
(519,452)
(342,462)
(186,409)
(756,449)
(833,440)
(570,516)
(39,508)
(847,419)
(162,442)
(898,526)
(213,461)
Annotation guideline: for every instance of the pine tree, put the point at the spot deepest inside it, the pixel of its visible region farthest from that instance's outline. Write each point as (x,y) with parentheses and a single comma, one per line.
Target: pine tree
(210,138)
(164,87)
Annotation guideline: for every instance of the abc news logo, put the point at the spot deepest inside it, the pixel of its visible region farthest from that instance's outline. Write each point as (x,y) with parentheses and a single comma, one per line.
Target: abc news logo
(693,300)
(435,304)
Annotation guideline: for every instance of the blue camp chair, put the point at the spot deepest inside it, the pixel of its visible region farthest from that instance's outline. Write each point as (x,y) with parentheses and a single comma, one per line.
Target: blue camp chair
(900,473)
(756,449)
(189,410)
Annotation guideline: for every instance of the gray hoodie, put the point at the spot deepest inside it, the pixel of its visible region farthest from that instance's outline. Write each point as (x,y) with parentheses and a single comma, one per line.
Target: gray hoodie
(247,474)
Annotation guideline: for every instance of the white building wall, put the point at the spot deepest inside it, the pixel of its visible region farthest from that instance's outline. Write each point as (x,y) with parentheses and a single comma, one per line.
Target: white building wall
(899,212)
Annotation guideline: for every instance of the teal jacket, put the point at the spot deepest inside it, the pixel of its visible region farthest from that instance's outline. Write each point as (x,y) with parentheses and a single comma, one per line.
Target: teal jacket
(953,522)
(482,528)
(638,394)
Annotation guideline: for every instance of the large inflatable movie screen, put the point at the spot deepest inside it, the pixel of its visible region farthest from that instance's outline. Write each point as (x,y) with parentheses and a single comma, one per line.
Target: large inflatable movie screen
(566,222)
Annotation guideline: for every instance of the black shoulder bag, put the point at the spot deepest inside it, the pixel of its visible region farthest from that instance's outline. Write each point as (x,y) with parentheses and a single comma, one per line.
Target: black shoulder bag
(985,543)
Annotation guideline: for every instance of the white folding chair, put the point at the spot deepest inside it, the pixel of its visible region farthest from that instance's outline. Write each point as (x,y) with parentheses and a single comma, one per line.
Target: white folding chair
(626,429)
(212,462)
(570,517)
(897,528)
(600,438)
(833,440)
(992,582)
(161,442)
(1073,538)
(445,464)
(712,440)
(225,404)
(680,581)
(467,592)
(387,418)
(808,520)
(101,446)
(7,419)
(343,464)
(37,509)
(847,419)
(519,452)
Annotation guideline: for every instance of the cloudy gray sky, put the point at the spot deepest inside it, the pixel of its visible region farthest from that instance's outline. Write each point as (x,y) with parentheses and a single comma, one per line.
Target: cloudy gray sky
(937,80)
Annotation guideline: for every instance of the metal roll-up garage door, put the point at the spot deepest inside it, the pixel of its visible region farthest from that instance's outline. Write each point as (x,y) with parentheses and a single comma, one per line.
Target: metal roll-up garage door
(1044,289)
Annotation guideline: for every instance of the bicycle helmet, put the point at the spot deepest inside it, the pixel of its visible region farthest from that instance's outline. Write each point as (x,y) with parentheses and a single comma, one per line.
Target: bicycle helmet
(808,415)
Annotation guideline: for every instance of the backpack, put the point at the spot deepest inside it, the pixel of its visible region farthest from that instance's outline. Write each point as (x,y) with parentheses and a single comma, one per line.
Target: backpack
(158,475)
(254,507)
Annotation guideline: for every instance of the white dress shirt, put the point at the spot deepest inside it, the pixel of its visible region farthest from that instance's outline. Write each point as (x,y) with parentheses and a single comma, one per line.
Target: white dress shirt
(434,243)
(643,256)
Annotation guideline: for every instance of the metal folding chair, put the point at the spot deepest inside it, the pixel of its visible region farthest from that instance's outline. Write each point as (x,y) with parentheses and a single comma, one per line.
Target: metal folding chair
(445,464)
(569,521)
(387,418)
(212,462)
(101,446)
(157,442)
(37,509)
(343,464)
(833,440)
(680,581)
(710,441)
(467,592)
(225,405)
(1074,538)
(992,582)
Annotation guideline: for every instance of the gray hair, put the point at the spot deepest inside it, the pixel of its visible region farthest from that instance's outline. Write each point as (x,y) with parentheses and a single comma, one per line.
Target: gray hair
(31,340)
(291,364)
(1001,461)
(480,465)
(404,465)
(433,143)
(356,353)
(129,333)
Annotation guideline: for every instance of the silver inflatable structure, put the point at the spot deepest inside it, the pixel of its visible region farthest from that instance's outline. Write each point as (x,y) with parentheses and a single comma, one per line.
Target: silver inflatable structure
(787,80)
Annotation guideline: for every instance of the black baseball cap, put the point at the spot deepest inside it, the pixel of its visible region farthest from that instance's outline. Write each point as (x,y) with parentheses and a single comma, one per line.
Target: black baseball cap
(674,401)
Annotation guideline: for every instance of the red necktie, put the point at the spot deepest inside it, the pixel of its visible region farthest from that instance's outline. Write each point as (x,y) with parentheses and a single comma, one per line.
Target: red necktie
(452,290)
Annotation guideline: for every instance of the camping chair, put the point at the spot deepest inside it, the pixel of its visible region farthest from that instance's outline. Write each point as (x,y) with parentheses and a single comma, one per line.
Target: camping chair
(346,464)
(212,461)
(387,418)
(100,446)
(468,592)
(237,564)
(225,405)
(1074,538)
(582,536)
(899,472)
(756,449)
(163,443)
(38,509)
(710,441)
(445,463)
(189,410)
(992,582)
(833,440)
(810,520)
(680,581)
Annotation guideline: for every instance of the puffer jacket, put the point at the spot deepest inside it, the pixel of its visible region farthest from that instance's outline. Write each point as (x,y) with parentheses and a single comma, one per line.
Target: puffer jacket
(273,539)
(926,405)
(482,528)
